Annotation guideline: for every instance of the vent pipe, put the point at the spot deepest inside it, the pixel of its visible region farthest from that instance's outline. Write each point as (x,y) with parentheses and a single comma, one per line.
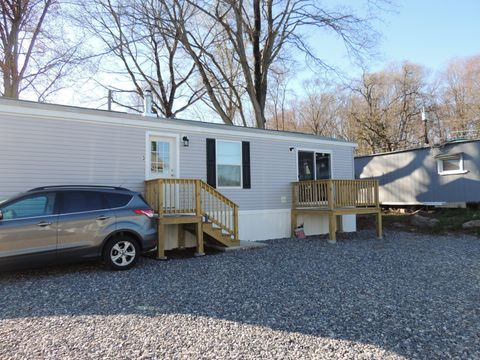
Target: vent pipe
(147,104)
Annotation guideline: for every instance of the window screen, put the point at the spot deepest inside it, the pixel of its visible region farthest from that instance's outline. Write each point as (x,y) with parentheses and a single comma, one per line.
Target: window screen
(79,201)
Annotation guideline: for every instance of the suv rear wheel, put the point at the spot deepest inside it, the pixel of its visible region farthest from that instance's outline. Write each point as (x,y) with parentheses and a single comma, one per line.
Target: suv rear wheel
(121,253)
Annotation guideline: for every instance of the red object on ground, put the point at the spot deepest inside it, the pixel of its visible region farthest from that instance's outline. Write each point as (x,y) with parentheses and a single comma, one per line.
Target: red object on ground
(299,233)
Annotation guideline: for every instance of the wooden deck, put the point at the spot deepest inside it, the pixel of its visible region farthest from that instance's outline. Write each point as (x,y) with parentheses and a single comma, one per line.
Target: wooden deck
(334,198)
(195,207)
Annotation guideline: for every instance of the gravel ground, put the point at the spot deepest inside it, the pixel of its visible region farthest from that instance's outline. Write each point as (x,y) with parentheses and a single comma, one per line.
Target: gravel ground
(406,297)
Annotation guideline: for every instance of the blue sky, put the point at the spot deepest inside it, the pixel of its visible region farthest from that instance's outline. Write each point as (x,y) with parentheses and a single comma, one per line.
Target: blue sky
(432,32)
(425,32)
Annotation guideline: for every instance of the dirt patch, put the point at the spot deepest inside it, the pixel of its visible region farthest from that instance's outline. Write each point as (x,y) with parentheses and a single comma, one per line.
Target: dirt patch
(446,220)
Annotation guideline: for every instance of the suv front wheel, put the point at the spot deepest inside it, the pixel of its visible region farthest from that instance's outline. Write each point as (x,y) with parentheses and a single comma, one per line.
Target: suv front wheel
(121,253)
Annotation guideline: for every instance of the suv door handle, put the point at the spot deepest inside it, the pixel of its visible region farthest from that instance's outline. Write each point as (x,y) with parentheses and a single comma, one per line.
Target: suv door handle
(44,223)
(102,217)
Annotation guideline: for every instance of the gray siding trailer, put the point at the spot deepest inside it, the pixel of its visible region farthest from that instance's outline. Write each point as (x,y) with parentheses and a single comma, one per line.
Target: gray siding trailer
(43,144)
(437,175)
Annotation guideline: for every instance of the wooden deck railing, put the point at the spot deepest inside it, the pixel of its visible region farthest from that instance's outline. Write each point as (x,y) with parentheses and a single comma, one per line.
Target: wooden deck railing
(195,197)
(334,194)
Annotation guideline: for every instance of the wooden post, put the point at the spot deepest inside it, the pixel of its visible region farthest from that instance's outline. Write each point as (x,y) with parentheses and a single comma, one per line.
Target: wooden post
(160,226)
(377,195)
(181,237)
(200,249)
(332,228)
(235,222)
(330,195)
(379,224)
(198,210)
(379,214)
(332,219)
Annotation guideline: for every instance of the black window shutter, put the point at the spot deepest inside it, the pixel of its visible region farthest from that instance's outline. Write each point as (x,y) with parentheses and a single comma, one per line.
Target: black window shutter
(246,164)
(211,163)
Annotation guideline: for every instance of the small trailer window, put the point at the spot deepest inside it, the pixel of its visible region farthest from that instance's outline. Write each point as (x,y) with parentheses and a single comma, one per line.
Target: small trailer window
(450,164)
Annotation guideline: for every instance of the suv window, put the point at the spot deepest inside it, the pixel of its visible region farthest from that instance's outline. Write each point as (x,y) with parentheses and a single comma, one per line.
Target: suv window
(32,206)
(117,200)
(80,201)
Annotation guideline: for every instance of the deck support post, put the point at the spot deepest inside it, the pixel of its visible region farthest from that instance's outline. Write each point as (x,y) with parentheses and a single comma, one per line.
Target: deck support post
(181,237)
(161,241)
(198,209)
(332,227)
(379,224)
(161,225)
(200,249)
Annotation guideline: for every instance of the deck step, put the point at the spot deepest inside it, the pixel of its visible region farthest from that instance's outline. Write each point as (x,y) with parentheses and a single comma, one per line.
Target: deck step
(214,234)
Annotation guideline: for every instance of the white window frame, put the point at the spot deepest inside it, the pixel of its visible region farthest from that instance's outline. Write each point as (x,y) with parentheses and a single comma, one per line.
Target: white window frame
(440,160)
(315,151)
(217,163)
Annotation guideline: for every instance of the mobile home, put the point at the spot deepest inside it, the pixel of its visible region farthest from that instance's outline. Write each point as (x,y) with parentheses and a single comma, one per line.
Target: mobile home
(44,144)
(444,174)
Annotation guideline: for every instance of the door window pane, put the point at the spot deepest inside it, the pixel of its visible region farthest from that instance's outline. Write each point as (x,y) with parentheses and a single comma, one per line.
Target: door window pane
(80,201)
(160,157)
(229,163)
(305,166)
(322,162)
(33,206)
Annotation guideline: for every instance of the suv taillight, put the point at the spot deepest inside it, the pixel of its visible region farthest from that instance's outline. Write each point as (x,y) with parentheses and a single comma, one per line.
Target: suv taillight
(147,212)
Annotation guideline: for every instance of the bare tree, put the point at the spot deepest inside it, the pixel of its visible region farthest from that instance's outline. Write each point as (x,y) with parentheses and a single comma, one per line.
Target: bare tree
(460,97)
(35,54)
(386,107)
(147,49)
(319,109)
(258,33)
(277,101)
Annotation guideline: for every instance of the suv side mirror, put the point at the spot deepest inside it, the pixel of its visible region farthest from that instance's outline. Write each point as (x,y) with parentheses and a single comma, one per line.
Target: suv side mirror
(1,215)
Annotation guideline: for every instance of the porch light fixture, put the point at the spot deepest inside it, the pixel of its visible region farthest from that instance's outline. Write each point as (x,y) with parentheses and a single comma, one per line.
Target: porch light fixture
(186,141)
(291,149)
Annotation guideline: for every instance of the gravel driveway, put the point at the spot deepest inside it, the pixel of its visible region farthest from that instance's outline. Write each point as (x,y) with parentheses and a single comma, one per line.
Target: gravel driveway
(408,296)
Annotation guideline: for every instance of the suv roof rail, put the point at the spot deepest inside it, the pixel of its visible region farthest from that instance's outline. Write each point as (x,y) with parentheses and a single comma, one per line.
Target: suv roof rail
(78,186)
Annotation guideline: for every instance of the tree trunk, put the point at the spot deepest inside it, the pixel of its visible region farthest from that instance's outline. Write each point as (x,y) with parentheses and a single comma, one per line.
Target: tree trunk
(260,90)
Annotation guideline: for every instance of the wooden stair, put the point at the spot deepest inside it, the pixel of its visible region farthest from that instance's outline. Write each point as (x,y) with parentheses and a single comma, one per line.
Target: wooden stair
(194,206)
(214,235)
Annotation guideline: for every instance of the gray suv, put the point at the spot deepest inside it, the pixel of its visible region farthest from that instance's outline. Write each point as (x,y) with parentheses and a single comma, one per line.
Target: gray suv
(69,223)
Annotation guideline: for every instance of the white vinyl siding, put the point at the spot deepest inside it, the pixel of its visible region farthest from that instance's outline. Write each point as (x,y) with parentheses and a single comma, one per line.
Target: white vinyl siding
(58,149)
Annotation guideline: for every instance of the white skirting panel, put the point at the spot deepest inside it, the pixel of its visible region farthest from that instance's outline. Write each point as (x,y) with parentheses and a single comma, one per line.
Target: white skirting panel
(266,224)
(349,223)
(275,224)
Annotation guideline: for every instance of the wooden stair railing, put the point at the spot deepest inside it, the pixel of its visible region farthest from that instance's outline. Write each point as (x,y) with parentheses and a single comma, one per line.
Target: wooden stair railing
(334,194)
(192,201)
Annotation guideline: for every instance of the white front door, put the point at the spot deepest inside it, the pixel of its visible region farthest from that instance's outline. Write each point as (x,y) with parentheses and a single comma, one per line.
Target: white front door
(162,161)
